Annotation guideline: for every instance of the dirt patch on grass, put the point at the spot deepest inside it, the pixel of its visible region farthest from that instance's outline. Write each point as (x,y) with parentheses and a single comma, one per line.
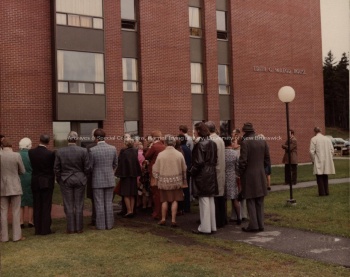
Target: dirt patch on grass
(170,234)
(273,217)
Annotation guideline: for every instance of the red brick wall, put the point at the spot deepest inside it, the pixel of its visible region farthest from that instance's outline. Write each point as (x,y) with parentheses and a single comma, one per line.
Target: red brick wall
(165,65)
(278,34)
(282,34)
(25,70)
(114,123)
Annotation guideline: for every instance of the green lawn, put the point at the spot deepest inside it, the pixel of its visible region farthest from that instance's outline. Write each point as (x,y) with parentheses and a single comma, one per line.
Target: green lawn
(328,215)
(305,172)
(149,250)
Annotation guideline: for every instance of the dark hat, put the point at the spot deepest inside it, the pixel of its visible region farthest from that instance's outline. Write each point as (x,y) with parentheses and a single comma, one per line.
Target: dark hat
(248,127)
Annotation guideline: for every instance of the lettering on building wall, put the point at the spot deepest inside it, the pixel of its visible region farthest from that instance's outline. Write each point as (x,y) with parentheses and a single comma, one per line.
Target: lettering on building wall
(283,70)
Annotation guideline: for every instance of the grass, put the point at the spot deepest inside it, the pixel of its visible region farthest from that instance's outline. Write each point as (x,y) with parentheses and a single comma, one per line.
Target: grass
(327,215)
(305,172)
(141,251)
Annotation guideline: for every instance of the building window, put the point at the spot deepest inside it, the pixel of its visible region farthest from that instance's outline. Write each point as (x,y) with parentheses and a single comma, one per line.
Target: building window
(84,130)
(130,74)
(85,88)
(79,13)
(83,7)
(221,25)
(80,72)
(223,77)
(131,128)
(73,20)
(194,22)
(61,19)
(97,23)
(60,133)
(196,78)
(128,14)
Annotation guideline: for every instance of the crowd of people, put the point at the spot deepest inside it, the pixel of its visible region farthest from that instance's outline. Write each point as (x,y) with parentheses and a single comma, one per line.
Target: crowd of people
(162,173)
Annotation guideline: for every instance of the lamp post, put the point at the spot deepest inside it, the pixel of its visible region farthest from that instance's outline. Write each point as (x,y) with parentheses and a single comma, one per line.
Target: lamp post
(287,94)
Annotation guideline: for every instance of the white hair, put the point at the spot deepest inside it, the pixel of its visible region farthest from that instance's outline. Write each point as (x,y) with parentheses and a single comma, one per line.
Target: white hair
(169,140)
(25,143)
(72,136)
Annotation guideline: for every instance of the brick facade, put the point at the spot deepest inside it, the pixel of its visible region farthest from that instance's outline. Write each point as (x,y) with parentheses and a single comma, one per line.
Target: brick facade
(278,34)
(282,34)
(25,70)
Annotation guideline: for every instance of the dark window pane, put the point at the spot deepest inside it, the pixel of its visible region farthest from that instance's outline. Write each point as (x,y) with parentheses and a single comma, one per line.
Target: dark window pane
(130,25)
(222,35)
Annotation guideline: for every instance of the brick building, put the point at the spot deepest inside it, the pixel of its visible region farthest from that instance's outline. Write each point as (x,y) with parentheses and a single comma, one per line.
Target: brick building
(140,65)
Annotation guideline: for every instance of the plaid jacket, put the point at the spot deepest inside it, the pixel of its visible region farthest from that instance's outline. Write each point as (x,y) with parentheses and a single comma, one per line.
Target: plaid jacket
(72,163)
(103,161)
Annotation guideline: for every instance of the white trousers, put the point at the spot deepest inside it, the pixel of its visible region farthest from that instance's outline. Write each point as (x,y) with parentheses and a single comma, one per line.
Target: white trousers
(207,215)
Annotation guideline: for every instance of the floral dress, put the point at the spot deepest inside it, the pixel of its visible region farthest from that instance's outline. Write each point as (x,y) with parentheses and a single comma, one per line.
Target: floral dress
(231,161)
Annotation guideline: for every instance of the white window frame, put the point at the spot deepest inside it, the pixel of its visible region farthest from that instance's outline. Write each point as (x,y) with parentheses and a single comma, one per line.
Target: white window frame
(130,74)
(197,78)
(224,81)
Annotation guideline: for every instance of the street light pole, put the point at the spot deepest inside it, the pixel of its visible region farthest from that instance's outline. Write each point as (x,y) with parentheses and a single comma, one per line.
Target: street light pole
(286,94)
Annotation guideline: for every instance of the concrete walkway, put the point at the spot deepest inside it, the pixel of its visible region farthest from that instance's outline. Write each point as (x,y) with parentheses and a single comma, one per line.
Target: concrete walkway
(304,244)
(309,184)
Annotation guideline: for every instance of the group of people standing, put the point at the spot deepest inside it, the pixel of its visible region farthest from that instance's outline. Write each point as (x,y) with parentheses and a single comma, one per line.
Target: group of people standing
(27,181)
(213,175)
(165,170)
(73,167)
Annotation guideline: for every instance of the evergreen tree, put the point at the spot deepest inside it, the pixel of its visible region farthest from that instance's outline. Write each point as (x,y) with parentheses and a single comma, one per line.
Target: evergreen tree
(342,86)
(336,91)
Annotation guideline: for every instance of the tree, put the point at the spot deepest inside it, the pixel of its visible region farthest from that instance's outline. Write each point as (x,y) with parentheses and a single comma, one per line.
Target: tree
(336,91)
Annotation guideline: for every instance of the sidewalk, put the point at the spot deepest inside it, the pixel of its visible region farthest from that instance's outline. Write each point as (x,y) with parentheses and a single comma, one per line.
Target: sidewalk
(304,244)
(309,184)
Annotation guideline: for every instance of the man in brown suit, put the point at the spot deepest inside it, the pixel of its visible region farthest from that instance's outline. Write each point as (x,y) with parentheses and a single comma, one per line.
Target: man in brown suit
(11,190)
(292,174)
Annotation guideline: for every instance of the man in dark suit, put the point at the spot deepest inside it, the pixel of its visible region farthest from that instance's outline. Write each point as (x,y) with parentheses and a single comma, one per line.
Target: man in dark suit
(43,180)
(104,161)
(71,169)
(254,157)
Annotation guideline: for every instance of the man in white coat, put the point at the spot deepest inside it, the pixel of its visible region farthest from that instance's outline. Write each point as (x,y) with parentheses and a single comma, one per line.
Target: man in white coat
(220,201)
(321,151)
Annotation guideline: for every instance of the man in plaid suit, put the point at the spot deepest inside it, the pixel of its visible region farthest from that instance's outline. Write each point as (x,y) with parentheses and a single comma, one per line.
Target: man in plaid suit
(104,161)
(71,170)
